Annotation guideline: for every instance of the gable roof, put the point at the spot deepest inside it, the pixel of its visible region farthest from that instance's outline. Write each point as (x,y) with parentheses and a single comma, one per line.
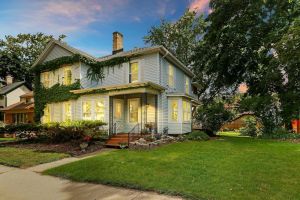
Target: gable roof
(134,52)
(19,106)
(8,88)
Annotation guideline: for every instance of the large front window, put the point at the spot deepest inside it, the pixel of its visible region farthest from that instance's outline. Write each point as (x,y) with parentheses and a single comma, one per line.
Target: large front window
(174,110)
(100,110)
(67,76)
(133,110)
(171,76)
(86,110)
(67,111)
(186,111)
(133,72)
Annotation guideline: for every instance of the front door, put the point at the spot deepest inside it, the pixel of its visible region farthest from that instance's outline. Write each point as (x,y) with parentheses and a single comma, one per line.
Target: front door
(118,115)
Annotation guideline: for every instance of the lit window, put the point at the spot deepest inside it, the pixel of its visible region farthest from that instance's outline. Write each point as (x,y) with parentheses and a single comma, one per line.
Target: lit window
(67,111)
(118,110)
(86,110)
(171,76)
(187,85)
(45,79)
(186,111)
(174,110)
(133,110)
(100,110)
(46,118)
(67,76)
(133,72)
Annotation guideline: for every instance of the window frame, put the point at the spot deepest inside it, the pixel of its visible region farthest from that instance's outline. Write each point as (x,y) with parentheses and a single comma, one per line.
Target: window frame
(186,111)
(47,118)
(137,111)
(187,85)
(97,112)
(45,81)
(85,112)
(67,116)
(66,80)
(171,76)
(171,113)
(130,72)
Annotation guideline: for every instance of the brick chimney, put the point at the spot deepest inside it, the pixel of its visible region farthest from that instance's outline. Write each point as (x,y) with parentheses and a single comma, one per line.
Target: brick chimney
(117,42)
(9,79)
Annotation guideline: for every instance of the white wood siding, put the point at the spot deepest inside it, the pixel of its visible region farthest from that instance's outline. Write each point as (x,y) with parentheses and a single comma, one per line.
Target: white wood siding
(57,52)
(14,96)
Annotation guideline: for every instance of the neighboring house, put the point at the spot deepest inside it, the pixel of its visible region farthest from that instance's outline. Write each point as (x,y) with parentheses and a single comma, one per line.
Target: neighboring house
(153,88)
(21,112)
(11,92)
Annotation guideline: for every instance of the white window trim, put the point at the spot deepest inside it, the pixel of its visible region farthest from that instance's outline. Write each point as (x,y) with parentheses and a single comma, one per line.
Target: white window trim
(170,120)
(82,113)
(188,84)
(183,111)
(95,106)
(64,111)
(174,75)
(128,111)
(139,71)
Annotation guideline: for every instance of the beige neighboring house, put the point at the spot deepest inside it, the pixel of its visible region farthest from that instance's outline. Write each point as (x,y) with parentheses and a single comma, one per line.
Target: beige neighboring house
(10,93)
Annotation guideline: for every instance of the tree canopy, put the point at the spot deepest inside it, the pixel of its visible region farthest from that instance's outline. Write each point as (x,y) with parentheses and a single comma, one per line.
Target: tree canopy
(17,53)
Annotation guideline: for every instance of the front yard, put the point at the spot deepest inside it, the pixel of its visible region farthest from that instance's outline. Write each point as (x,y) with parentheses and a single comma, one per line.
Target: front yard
(224,168)
(20,157)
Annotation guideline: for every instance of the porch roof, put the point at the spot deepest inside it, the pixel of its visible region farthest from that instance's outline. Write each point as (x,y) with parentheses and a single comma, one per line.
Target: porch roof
(176,94)
(129,86)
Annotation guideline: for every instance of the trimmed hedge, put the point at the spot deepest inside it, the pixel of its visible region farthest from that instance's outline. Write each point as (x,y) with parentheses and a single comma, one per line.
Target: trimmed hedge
(197,136)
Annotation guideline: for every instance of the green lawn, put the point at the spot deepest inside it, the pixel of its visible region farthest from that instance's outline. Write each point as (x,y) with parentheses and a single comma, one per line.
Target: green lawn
(226,168)
(20,157)
(7,139)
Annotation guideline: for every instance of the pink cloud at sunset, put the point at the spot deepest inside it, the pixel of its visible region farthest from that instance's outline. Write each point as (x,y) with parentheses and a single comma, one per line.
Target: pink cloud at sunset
(200,6)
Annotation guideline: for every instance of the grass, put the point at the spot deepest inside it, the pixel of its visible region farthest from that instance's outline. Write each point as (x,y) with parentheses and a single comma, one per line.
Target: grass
(20,157)
(225,168)
(7,139)
(229,133)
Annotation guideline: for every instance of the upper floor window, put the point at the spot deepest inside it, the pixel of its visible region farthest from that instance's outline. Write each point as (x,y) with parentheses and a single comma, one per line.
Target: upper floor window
(45,79)
(171,76)
(133,72)
(100,110)
(187,85)
(186,111)
(46,118)
(67,111)
(86,110)
(67,76)
(174,110)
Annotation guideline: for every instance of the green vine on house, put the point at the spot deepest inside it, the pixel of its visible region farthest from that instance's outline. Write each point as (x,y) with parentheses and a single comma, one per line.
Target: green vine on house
(59,93)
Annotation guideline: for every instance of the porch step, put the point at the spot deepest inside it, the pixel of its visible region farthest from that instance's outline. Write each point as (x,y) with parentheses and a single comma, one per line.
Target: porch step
(117,139)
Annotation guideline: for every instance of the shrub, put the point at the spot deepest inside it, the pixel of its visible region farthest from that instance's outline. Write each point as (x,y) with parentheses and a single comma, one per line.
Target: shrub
(250,128)
(197,136)
(281,133)
(212,116)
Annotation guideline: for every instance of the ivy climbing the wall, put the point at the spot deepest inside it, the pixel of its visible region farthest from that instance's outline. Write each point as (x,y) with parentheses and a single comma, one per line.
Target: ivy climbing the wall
(59,93)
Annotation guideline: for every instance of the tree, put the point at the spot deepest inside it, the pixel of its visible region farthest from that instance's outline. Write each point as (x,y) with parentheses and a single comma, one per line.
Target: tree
(23,49)
(10,64)
(180,37)
(239,46)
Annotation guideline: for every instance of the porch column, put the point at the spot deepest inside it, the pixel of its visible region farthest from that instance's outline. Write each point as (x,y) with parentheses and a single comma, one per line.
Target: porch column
(156,113)
(111,115)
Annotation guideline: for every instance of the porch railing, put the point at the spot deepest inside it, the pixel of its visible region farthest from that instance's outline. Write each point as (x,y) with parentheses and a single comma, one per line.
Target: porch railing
(133,133)
(113,130)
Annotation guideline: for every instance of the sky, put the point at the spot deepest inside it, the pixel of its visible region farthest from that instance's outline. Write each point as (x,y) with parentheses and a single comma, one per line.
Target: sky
(89,24)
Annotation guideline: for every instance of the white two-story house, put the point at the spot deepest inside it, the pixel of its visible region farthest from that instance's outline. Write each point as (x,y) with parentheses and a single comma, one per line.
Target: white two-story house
(153,89)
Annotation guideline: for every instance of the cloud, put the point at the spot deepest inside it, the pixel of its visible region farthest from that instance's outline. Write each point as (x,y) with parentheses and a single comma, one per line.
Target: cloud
(63,16)
(200,6)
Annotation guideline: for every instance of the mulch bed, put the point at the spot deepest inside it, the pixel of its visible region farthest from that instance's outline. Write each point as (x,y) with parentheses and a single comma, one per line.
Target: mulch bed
(71,148)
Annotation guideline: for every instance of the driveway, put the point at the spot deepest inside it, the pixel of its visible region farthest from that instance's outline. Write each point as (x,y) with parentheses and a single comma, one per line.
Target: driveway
(29,184)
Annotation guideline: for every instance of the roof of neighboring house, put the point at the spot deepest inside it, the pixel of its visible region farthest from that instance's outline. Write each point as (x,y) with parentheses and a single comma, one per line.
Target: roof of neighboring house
(8,88)
(28,94)
(134,52)
(20,106)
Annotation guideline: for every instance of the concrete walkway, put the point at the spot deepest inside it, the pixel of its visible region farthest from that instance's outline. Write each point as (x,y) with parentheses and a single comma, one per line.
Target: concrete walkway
(29,184)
